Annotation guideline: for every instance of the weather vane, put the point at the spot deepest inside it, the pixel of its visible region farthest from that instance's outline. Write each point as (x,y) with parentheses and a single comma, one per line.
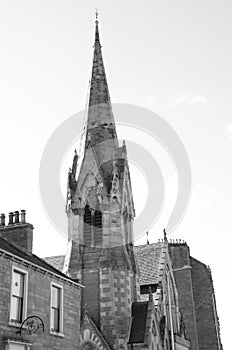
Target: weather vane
(96,14)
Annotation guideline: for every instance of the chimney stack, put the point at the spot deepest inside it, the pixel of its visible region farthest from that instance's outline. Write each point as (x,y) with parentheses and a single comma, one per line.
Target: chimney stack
(18,231)
(11,218)
(23,216)
(2,220)
(16,216)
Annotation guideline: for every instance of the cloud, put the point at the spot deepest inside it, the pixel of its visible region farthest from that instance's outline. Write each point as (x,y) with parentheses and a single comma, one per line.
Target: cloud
(229,132)
(189,99)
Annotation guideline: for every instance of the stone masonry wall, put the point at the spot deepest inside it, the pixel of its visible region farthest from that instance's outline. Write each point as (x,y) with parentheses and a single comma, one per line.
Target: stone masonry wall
(205,314)
(179,254)
(90,294)
(115,305)
(19,234)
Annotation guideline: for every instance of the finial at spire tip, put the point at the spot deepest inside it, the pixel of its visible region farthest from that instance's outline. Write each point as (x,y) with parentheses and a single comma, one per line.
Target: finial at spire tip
(96,15)
(97,40)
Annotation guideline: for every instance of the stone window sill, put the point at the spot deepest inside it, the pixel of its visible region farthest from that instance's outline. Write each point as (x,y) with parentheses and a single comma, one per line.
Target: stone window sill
(15,324)
(57,334)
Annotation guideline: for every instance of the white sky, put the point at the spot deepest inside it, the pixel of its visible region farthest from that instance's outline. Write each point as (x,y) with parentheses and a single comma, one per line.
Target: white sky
(173,57)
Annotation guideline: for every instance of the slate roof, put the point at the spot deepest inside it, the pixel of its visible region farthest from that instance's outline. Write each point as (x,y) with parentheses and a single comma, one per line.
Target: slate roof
(30,258)
(139,318)
(150,259)
(56,261)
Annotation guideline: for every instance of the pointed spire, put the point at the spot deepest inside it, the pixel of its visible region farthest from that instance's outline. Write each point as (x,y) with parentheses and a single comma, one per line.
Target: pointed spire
(99,105)
(99,92)
(100,128)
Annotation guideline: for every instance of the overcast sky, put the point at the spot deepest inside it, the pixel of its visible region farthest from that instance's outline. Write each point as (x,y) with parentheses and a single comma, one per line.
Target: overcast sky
(172,57)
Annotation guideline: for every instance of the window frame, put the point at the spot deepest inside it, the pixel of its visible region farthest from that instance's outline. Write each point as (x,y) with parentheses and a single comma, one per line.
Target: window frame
(61,310)
(25,295)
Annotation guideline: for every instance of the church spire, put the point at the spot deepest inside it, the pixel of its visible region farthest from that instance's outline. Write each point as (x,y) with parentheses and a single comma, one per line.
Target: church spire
(101,136)
(100,120)
(99,92)
(100,215)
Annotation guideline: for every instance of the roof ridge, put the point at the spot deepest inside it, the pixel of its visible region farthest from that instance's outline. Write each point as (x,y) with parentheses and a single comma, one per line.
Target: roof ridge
(147,245)
(53,256)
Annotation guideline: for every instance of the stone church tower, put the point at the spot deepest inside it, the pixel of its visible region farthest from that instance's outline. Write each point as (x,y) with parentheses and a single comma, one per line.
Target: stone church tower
(154,296)
(100,214)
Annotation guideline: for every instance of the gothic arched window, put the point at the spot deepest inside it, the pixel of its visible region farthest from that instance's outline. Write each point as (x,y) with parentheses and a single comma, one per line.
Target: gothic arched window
(92,227)
(97,222)
(87,226)
(125,225)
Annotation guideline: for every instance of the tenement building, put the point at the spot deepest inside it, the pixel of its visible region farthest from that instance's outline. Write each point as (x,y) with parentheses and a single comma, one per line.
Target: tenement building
(105,293)
(40,306)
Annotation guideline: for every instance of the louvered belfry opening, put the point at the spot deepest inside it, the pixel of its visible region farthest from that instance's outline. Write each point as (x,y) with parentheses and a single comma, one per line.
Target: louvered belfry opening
(87,226)
(97,222)
(92,227)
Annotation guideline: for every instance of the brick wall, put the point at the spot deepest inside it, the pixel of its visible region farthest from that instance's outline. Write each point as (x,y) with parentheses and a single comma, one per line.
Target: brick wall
(39,284)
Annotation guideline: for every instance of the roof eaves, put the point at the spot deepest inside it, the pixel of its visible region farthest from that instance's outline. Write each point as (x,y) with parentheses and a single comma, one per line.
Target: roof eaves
(29,263)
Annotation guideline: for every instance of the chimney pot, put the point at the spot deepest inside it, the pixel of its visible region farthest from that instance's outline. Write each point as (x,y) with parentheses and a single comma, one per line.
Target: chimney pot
(16,215)
(2,220)
(23,216)
(11,218)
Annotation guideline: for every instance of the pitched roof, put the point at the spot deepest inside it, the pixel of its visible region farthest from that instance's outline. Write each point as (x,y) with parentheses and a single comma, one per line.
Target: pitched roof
(94,333)
(139,318)
(12,249)
(150,259)
(56,261)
